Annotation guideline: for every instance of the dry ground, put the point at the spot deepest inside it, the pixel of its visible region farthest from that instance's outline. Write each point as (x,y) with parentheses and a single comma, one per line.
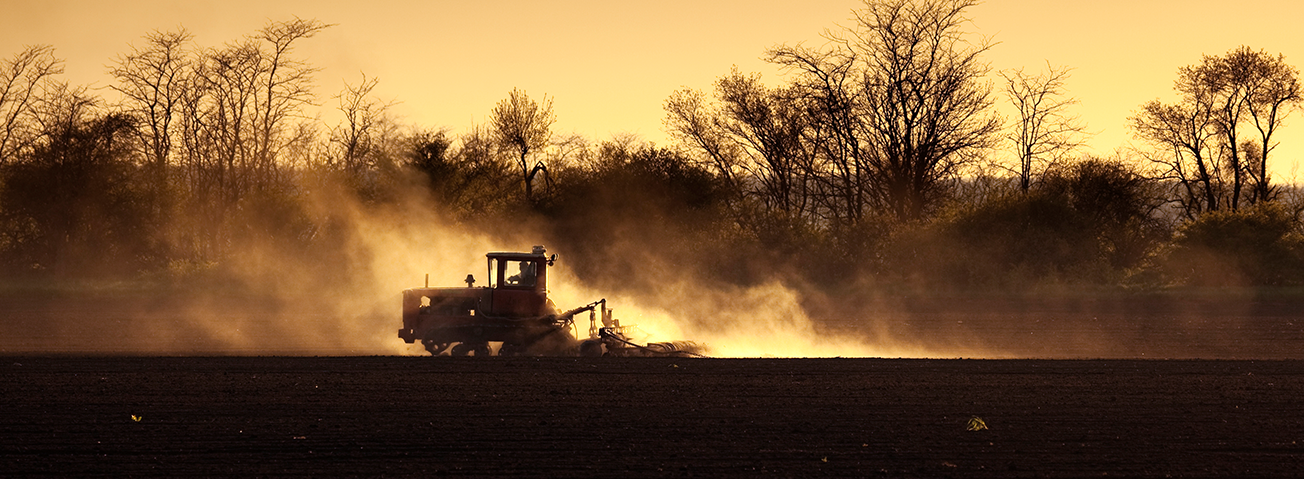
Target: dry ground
(117,408)
(639,417)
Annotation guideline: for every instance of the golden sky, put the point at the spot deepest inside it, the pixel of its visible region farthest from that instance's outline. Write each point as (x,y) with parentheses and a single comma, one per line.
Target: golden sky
(610,65)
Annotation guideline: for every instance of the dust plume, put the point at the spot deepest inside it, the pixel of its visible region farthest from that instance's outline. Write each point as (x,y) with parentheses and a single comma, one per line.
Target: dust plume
(765,321)
(344,300)
(265,299)
(760,321)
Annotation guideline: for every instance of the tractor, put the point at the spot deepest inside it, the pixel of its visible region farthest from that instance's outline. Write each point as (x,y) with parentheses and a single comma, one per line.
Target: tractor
(514,311)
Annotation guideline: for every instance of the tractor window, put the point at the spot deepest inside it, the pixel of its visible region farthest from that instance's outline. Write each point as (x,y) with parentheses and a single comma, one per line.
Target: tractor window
(522,273)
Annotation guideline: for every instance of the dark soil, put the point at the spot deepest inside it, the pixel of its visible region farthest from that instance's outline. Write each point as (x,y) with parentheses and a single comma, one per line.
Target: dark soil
(640,417)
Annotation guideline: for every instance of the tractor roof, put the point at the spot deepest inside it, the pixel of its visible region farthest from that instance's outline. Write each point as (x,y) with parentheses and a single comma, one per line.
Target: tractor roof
(517,256)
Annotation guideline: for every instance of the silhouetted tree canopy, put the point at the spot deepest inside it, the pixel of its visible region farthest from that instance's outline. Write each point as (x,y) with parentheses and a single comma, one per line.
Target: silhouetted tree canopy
(1216,140)
(1044,131)
(23,78)
(523,126)
(867,162)
(903,89)
(76,204)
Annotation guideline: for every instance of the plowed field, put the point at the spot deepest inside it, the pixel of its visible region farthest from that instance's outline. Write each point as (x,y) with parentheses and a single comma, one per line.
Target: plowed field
(614,417)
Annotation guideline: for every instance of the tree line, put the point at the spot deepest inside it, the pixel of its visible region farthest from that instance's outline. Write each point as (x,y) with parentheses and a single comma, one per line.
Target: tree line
(879,157)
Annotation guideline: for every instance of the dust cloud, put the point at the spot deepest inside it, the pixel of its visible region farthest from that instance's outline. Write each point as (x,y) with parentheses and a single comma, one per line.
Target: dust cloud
(764,321)
(270,301)
(267,301)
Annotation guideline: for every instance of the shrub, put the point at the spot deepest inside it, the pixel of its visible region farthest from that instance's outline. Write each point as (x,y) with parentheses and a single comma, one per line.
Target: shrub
(1261,245)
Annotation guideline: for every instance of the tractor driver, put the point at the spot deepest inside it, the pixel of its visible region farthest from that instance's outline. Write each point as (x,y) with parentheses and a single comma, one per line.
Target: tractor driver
(525,275)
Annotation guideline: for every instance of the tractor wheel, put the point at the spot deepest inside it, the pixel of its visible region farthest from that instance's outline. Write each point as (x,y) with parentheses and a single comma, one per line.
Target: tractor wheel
(480,350)
(434,347)
(591,348)
(511,349)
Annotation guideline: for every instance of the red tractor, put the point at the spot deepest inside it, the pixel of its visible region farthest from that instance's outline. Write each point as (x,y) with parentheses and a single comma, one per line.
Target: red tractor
(514,311)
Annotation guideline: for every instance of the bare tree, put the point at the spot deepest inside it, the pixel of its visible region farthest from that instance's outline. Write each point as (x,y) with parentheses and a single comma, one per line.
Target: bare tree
(1272,91)
(239,133)
(1226,80)
(523,126)
(62,108)
(225,119)
(915,88)
(356,135)
(1185,137)
(250,92)
(152,80)
(767,126)
(754,135)
(827,88)
(21,78)
(286,86)
(691,120)
(1201,138)
(929,112)
(1045,131)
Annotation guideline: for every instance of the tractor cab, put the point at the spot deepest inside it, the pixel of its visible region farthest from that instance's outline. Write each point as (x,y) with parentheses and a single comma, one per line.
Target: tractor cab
(520,271)
(519,283)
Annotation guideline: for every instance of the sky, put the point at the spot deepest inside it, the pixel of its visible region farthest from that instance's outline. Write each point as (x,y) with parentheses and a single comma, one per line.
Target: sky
(610,66)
